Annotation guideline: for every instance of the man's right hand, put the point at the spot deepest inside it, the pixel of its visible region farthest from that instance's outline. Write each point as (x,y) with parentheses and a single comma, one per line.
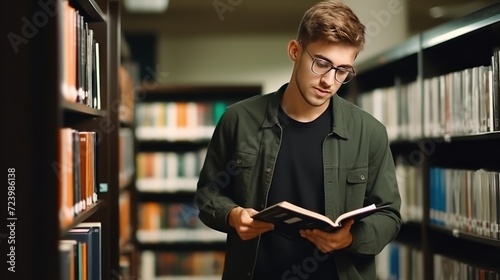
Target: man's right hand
(241,220)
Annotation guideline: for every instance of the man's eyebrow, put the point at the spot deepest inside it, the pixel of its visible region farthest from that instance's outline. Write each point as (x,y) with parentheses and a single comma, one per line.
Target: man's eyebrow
(347,66)
(326,59)
(318,56)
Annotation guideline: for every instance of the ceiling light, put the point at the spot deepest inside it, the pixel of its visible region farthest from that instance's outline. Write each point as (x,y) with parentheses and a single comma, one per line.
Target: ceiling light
(437,12)
(456,10)
(146,6)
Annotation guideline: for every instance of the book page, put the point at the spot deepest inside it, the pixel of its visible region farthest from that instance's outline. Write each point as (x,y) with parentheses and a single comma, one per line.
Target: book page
(364,210)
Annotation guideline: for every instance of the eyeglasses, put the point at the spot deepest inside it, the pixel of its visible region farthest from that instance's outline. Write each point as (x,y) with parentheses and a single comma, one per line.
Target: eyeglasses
(320,67)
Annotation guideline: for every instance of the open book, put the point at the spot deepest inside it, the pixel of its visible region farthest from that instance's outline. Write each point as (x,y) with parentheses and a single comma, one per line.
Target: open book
(289,218)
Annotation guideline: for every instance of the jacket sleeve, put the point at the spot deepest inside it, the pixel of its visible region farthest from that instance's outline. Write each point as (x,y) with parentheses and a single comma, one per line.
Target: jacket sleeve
(215,183)
(373,233)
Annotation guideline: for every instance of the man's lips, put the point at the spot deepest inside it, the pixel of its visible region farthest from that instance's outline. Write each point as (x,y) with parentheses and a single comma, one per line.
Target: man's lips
(322,92)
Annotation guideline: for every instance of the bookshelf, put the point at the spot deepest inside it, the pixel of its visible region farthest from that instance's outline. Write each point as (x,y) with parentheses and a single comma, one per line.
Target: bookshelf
(129,80)
(41,59)
(437,93)
(173,127)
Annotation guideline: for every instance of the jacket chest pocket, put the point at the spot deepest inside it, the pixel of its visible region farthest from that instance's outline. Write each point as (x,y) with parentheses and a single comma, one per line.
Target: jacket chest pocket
(246,166)
(356,185)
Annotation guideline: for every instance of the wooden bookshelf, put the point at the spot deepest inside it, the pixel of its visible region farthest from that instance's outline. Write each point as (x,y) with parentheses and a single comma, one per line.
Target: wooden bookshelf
(459,134)
(162,142)
(34,112)
(128,85)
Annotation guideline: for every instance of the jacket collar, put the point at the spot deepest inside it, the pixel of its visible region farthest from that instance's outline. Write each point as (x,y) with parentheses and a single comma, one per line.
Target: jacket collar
(339,117)
(338,112)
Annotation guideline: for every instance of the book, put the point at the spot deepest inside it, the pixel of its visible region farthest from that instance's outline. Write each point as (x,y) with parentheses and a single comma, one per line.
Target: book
(95,251)
(88,236)
(289,218)
(68,260)
(88,168)
(64,169)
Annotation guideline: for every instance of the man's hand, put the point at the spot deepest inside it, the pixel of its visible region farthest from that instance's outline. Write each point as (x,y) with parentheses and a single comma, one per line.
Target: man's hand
(241,220)
(326,241)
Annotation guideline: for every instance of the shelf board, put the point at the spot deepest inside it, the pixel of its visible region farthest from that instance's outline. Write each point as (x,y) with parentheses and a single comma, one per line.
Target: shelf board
(77,108)
(165,186)
(180,235)
(90,9)
(485,136)
(467,24)
(175,134)
(82,217)
(460,234)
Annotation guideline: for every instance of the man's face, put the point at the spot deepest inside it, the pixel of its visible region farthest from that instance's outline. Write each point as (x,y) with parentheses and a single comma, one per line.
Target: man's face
(335,59)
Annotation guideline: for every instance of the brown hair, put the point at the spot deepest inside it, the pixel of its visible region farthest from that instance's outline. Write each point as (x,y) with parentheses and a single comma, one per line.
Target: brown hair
(332,21)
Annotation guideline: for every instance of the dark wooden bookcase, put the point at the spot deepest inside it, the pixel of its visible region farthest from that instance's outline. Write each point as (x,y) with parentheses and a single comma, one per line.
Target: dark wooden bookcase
(128,89)
(172,143)
(458,45)
(33,111)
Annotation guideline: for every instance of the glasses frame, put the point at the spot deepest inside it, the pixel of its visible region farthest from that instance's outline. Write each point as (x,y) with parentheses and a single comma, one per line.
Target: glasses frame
(345,81)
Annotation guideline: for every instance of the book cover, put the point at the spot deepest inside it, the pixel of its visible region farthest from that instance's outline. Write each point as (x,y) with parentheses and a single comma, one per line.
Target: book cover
(95,251)
(88,236)
(88,165)
(289,218)
(64,169)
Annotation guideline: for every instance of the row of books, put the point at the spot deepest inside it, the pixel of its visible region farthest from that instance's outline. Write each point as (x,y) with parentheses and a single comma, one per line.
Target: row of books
(410,180)
(80,253)
(128,76)
(155,215)
(173,222)
(458,103)
(399,261)
(169,171)
(77,173)
(467,200)
(448,268)
(177,120)
(81,66)
(197,265)
(125,225)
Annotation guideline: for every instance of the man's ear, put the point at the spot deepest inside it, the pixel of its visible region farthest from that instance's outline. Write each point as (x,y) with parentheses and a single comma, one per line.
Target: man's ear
(293,50)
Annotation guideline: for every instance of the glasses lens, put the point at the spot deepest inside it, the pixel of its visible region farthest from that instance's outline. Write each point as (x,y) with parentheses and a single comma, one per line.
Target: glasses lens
(343,75)
(321,67)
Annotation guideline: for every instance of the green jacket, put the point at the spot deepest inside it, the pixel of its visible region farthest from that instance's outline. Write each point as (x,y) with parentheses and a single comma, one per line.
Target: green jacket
(358,169)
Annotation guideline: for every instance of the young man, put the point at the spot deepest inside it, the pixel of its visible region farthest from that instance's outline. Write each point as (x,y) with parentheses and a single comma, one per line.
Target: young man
(304,144)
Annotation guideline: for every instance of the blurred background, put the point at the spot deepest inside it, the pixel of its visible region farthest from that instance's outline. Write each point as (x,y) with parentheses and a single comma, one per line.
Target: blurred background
(190,59)
(238,41)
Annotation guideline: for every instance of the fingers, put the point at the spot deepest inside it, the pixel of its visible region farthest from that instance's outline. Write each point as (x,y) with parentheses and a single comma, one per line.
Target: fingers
(246,227)
(251,231)
(327,242)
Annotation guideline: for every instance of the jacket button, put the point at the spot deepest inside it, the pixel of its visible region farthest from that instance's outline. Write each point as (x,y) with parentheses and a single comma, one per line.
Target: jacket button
(238,161)
(362,177)
(268,170)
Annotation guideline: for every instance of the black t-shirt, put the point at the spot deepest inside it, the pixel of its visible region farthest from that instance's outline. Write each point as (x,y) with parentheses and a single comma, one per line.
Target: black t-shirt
(298,178)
